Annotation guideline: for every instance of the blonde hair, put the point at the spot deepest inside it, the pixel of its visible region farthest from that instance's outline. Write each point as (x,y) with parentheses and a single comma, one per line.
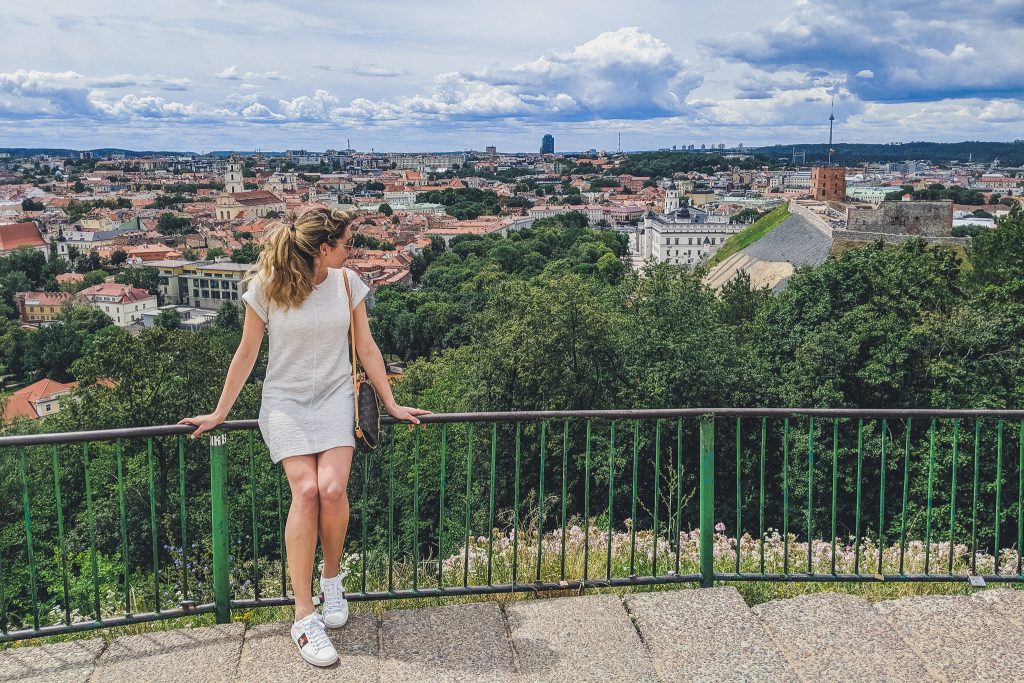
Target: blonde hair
(286,264)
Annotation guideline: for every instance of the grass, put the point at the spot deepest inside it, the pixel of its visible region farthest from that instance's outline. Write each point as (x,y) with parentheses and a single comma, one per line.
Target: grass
(750,234)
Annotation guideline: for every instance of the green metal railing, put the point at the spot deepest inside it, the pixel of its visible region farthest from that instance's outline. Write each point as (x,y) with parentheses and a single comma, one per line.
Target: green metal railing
(112,526)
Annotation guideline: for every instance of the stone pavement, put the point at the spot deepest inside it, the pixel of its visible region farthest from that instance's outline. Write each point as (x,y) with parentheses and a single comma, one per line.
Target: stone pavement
(676,635)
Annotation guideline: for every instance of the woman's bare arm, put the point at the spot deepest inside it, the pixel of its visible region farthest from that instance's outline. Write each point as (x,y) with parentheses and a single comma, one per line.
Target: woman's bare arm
(373,362)
(241,367)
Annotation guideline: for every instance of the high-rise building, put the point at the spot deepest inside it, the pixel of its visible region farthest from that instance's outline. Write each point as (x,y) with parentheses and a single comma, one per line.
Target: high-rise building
(492,151)
(547,144)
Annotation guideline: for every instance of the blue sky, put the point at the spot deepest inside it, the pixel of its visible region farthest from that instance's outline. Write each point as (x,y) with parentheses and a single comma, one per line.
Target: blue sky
(403,75)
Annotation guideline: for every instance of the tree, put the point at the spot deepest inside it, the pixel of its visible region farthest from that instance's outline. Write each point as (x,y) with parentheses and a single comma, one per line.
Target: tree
(118,257)
(94,277)
(168,319)
(215,252)
(386,209)
(189,254)
(229,317)
(247,253)
(142,277)
(32,205)
(51,350)
(169,224)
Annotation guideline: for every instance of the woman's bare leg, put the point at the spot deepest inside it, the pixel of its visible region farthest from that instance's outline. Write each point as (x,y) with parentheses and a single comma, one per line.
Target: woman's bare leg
(300,529)
(333,468)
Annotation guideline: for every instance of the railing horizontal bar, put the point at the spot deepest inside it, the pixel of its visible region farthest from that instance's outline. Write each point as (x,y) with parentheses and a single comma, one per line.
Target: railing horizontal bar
(865,578)
(535,415)
(60,629)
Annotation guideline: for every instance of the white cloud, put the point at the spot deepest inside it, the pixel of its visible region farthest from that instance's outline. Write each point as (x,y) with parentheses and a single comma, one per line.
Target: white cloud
(371,70)
(865,73)
(232,73)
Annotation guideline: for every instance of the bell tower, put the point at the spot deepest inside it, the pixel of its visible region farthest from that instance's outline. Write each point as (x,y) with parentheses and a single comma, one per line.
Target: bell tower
(233,177)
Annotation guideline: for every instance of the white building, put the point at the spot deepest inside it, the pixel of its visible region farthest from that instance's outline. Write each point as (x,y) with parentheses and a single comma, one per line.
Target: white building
(683,236)
(123,303)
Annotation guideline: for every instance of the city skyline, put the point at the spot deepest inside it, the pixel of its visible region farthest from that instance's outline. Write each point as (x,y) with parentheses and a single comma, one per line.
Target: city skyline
(201,76)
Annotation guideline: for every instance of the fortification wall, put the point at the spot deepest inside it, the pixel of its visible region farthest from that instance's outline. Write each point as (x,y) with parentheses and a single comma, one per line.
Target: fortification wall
(924,219)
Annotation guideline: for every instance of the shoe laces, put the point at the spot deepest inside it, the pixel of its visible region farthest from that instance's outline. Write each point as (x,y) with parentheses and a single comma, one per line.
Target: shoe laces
(314,629)
(333,589)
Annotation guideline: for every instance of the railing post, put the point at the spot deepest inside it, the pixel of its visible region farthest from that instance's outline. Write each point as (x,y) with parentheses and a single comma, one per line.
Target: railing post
(219,517)
(707,500)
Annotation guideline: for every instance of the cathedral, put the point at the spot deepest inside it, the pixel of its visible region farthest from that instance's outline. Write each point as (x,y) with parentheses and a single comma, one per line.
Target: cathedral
(236,202)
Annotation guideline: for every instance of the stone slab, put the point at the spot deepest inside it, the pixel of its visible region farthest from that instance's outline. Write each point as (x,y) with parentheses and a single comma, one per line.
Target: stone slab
(69,662)
(270,656)
(840,637)
(451,643)
(1007,601)
(208,655)
(964,638)
(706,634)
(577,639)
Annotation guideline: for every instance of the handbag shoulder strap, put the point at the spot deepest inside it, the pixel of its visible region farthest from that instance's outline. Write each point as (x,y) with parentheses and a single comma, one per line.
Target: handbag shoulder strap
(351,322)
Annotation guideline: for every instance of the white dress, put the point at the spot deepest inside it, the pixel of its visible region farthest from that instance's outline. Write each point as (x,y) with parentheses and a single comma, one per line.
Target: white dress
(308,401)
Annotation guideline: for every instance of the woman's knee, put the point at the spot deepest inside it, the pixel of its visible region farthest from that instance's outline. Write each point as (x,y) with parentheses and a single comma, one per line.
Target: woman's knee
(333,492)
(306,491)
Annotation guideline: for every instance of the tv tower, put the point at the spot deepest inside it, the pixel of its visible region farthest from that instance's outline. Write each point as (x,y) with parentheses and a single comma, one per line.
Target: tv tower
(831,118)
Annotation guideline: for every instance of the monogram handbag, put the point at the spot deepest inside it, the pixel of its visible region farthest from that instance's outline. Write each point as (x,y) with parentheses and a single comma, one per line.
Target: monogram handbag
(367,419)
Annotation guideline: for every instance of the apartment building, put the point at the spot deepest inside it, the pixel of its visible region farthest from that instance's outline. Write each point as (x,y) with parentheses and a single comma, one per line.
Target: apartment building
(200,284)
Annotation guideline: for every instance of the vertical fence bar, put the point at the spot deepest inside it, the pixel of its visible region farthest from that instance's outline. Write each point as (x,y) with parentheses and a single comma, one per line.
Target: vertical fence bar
(881,498)
(155,533)
(906,492)
(92,532)
(58,503)
(540,495)
(27,509)
(391,511)
(835,484)
(632,517)
(280,531)
(123,527)
(515,507)
(707,500)
(184,517)
(440,507)
(415,509)
(739,493)
(364,541)
(810,496)
(1020,499)
(952,492)
(764,436)
(490,510)
(219,523)
(928,509)
(611,479)
(974,503)
(657,481)
(679,489)
(565,464)
(860,470)
(999,497)
(785,496)
(586,507)
(469,480)
(250,448)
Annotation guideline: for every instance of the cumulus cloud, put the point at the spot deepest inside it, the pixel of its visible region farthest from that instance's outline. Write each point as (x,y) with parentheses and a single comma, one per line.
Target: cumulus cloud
(896,51)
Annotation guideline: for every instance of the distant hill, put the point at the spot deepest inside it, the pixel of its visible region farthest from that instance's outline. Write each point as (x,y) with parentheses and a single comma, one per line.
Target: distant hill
(1008,153)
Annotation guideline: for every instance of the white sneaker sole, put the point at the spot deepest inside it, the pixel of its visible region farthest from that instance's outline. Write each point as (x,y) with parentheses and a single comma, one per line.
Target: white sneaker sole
(317,662)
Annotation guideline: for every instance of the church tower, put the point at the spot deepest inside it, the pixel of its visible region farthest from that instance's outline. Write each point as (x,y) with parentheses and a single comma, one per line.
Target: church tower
(671,199)
(233,177)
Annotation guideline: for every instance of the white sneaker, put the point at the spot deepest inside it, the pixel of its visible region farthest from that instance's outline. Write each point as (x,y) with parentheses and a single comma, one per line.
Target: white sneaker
(311,639)
(335,606)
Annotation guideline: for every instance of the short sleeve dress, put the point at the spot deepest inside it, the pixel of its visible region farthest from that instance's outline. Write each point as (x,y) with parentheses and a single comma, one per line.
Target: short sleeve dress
(308,402)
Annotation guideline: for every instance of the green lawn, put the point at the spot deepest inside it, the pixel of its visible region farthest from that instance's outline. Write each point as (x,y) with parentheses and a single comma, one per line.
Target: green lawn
(750,234)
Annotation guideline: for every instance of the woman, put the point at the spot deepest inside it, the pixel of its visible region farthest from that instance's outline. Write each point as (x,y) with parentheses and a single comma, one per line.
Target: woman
(297,295)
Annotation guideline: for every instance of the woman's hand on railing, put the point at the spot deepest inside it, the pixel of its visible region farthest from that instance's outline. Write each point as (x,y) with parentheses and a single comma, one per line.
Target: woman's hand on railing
(204,423)
(406,413)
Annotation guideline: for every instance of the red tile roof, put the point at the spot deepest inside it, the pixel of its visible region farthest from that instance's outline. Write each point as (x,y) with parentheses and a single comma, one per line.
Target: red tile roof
(124,293)
(14,235)
(22,402)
